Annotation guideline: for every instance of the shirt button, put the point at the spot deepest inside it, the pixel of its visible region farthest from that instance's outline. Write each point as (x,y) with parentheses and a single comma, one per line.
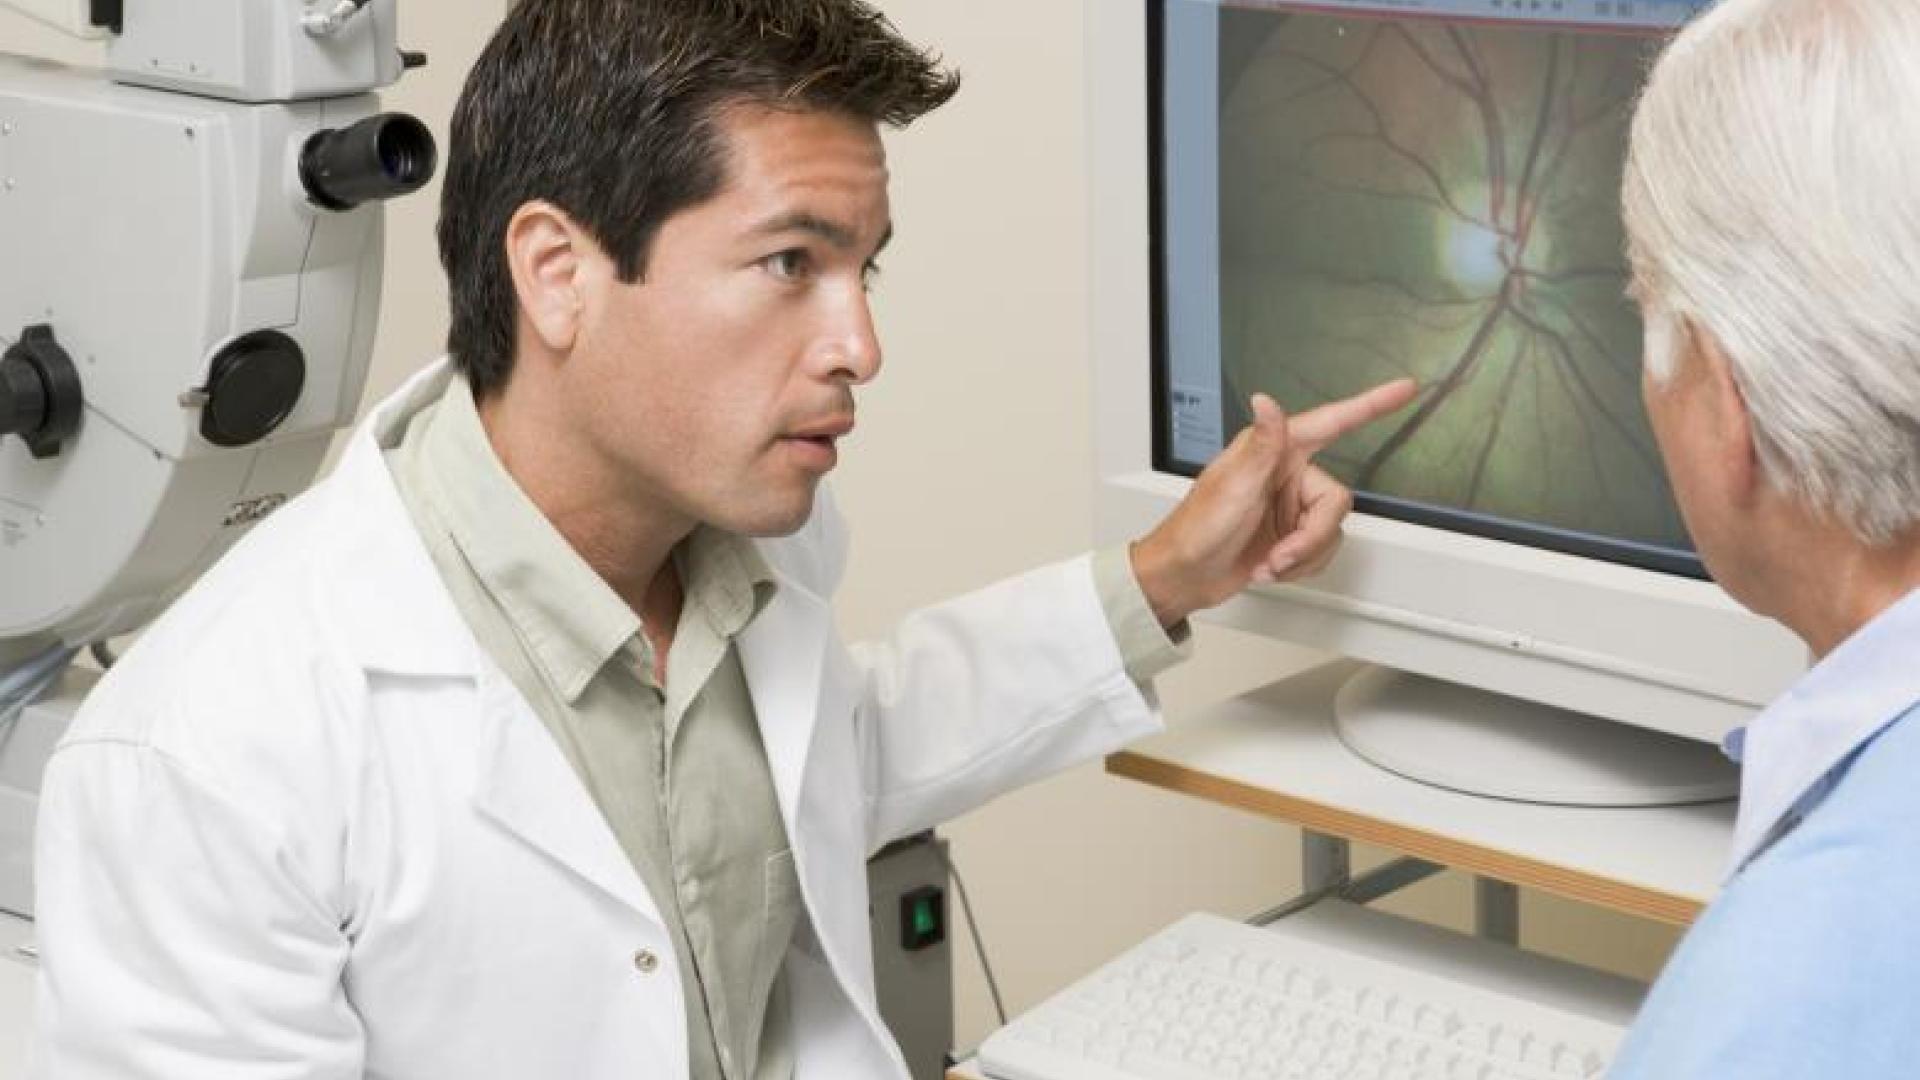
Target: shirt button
(645,961)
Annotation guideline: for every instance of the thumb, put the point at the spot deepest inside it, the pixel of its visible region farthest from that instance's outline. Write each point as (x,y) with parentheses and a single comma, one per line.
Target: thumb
(1271,439)
(1245,475)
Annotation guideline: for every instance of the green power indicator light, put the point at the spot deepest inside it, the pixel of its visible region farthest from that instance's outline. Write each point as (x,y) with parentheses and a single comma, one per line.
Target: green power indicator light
(923,917)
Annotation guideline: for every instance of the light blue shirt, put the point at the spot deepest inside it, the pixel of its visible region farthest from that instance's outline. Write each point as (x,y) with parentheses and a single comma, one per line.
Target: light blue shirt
(1807,965)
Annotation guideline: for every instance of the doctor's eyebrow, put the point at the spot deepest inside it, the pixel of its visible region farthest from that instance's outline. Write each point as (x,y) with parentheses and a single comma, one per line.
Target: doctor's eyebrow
(832,232)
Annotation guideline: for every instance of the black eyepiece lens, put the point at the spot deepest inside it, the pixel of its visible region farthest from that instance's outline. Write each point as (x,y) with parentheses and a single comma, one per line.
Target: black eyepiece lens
(381,157)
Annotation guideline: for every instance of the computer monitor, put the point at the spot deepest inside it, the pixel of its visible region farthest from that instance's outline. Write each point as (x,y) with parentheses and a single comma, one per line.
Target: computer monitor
(1307,198)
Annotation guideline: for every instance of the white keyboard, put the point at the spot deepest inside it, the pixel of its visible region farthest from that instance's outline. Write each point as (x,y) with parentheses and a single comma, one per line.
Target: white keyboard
(1213,999)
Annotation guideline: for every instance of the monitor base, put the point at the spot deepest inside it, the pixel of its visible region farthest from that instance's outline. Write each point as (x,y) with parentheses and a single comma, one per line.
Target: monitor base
(1481,743)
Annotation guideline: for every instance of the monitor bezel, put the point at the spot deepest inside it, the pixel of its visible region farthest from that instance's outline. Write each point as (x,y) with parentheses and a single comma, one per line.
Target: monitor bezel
(1614,642)
(1677,562)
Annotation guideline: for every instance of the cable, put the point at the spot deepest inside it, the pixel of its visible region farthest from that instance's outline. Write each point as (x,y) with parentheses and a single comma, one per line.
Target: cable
(973,929)
(23,685)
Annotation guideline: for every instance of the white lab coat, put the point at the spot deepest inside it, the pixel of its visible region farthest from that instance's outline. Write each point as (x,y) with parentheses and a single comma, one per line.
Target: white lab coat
(306,828)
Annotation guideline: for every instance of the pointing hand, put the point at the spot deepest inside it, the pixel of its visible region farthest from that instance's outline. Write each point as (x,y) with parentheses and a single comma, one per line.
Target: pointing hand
(1262,512)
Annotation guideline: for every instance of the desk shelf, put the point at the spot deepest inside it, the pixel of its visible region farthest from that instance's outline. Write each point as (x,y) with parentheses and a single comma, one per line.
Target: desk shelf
(1274,752)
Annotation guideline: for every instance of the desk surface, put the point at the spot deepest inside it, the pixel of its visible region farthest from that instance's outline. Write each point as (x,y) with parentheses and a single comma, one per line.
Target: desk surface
(1275,752)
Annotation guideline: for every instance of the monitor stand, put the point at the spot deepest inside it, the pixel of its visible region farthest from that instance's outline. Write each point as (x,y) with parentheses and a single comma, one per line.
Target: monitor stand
(1482,743)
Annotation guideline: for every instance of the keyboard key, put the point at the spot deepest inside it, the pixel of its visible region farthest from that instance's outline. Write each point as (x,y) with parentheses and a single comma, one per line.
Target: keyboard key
(1155,1067)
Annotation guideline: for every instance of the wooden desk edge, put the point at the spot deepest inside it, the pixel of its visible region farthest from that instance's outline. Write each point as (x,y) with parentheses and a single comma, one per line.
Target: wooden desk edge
(1433,847)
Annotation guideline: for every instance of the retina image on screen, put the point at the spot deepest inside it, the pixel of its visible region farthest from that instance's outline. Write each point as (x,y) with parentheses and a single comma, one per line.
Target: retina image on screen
(1439,197)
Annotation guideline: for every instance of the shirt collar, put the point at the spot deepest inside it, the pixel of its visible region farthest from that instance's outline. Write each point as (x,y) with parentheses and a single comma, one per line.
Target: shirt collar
(1847,699)
(726,579)
(569,619)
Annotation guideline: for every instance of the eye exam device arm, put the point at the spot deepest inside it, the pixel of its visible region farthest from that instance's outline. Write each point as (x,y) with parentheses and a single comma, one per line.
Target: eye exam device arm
(190,268)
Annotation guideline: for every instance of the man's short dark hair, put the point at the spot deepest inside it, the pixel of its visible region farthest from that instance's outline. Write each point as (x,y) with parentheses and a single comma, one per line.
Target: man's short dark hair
(610,110)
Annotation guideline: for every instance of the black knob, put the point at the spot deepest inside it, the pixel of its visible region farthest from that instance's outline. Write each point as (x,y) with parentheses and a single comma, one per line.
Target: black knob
(252,388)
(40,398)
(381,157)
(23,398)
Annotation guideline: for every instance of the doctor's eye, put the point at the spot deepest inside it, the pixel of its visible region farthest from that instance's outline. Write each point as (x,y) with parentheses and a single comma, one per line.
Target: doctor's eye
(794,264)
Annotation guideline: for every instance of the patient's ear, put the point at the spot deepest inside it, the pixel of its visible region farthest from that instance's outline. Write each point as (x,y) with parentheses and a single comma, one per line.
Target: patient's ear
(1724,406)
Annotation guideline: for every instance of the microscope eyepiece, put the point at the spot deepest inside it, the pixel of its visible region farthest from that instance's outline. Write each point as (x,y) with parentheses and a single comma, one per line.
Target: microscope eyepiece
(381,157)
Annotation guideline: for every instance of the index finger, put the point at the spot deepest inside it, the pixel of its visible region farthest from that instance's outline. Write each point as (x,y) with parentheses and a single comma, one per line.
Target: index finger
(1318,429)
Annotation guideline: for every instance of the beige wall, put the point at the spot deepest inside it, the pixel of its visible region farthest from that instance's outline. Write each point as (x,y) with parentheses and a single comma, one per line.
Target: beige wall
(973,462)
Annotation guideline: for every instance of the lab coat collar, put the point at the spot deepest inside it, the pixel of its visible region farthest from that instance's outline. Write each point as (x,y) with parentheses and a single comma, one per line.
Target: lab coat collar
(386,589)
(527,787)
(782,653)
(399,620)
(1821,721)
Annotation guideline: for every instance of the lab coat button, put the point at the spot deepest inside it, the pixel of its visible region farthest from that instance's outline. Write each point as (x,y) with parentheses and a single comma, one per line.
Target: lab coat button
(646,961)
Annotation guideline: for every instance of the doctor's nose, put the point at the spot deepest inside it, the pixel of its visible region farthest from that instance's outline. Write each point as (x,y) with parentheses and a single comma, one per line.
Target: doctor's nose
(852,354)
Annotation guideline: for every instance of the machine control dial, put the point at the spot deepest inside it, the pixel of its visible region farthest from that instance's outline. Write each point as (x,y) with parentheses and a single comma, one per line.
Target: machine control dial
(40,398)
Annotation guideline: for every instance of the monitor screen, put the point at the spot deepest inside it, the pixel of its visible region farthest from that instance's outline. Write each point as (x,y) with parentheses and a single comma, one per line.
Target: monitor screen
(1352,191)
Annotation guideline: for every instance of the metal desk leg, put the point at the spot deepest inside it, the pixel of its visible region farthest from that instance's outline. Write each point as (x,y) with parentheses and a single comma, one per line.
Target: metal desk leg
(1496,911)
(1325,870)
(1325,862)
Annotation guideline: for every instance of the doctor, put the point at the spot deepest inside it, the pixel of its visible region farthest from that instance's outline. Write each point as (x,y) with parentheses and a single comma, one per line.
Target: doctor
(523,746)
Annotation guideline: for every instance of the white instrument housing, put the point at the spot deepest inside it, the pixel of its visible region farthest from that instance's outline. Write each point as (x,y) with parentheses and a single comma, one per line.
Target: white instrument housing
(149,230)
(253,50)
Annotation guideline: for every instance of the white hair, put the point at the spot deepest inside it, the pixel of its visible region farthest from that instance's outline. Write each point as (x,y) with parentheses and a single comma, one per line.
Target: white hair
(1772,201)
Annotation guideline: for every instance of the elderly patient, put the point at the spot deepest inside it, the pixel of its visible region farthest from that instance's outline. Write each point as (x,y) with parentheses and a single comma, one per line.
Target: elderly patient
(1773,209)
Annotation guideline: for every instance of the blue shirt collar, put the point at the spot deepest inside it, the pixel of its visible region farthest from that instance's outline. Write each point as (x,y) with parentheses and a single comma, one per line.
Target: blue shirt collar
(1735,745)
(1821,721)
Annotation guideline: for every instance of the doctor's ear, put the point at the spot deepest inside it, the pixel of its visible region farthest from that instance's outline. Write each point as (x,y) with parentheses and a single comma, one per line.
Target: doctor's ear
(550,257)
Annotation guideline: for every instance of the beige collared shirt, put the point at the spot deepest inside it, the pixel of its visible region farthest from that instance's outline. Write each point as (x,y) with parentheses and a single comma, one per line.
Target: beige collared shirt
(678,771)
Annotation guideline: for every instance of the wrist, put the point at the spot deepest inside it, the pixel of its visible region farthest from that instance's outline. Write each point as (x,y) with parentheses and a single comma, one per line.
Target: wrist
(1154,570)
